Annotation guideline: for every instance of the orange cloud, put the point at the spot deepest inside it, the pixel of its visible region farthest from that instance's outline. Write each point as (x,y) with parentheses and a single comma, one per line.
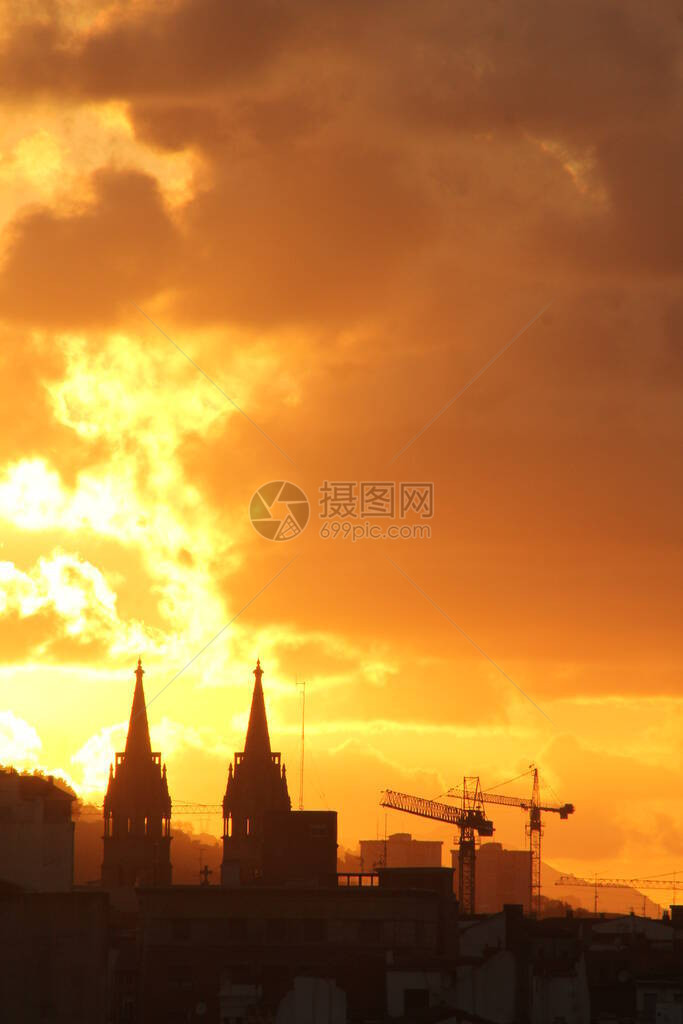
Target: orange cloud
(339,214)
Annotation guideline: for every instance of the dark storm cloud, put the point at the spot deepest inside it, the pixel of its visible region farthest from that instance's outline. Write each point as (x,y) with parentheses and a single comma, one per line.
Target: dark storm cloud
(431,175)
(186,47)
(77,268)
(347,146)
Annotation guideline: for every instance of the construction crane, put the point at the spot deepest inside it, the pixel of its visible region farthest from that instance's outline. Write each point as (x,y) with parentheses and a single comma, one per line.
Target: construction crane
(534,828)
(596,883)
(470,819)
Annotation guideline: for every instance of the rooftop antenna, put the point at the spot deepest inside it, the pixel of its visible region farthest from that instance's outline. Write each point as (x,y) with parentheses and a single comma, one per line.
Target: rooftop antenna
(303,736)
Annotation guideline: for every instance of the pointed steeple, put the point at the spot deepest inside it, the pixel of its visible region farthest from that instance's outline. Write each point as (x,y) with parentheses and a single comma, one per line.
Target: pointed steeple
(137,808)
(257,786)
(258,740)
(138,744)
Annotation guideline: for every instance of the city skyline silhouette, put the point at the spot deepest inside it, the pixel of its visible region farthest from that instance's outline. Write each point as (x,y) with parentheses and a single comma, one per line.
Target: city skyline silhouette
(341,344)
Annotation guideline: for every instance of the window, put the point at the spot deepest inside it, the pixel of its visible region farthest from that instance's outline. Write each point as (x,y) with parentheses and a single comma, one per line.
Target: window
(649,1007)
(276,931)
(370,931)
(180,929)
(415,999)
(404,933)
(237,929)
(314,929)
(217,931)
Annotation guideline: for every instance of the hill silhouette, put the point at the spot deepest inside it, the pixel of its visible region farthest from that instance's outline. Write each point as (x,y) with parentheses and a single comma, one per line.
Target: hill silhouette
(610,901)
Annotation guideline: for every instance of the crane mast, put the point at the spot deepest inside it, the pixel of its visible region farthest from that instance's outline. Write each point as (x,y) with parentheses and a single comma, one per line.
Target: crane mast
(534,828)
(534,831)
(303,739)
(470,819)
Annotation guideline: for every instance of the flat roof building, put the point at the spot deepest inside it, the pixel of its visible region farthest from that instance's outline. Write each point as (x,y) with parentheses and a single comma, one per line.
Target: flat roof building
(399,850)
(501,877)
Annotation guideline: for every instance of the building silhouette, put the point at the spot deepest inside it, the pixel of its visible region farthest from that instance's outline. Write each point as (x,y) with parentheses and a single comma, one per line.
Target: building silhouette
(286,938)
(36,833)
(502,877)
(137,808)
(256,787)
(245,953)
(399,850)
(56,950)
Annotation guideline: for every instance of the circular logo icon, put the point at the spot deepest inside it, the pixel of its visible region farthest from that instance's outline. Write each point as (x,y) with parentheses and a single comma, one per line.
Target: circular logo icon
(279,510)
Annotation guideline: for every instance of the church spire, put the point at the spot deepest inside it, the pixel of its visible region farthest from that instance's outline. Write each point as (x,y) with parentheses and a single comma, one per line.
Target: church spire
(137,808)
(256,787)
(138,743)
(258,740)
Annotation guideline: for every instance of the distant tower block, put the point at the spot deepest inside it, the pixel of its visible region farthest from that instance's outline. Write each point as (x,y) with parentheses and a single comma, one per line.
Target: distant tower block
(256,786)
(137,808)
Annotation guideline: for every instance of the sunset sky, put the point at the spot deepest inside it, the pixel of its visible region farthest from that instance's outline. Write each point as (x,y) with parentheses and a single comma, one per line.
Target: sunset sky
(341,212)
